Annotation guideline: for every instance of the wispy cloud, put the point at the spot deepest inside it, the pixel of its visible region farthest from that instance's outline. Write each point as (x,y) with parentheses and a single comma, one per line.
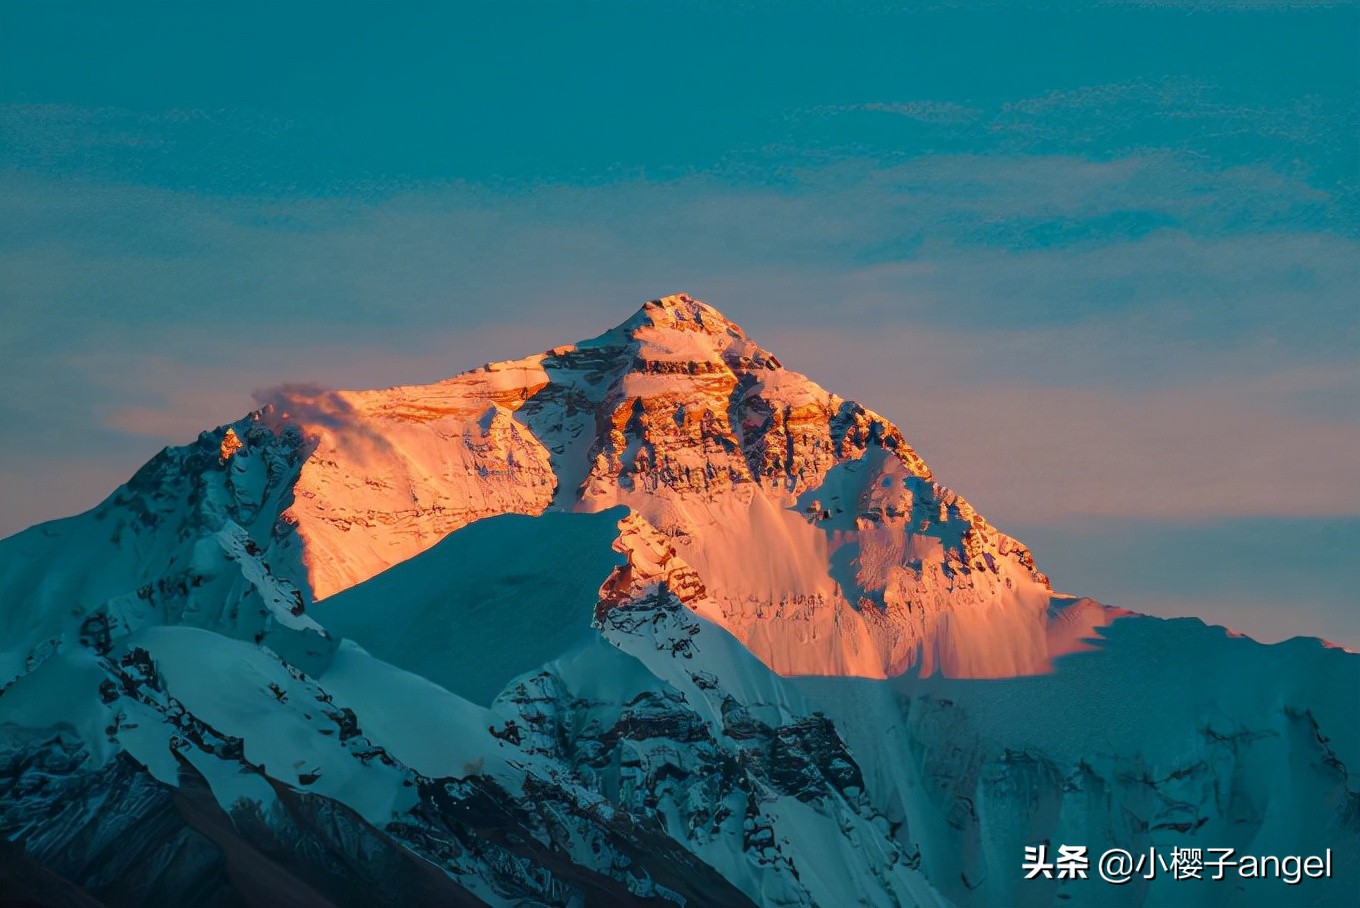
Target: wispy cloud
(942,112)
(1115,114)
(1049,355)
(1244,5)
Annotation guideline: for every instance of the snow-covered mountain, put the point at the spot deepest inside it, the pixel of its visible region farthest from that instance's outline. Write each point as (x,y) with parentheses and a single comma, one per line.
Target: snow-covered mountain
(648,618)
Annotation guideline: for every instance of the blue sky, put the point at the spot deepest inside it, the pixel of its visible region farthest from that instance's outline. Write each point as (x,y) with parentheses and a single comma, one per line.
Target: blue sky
(1097,260)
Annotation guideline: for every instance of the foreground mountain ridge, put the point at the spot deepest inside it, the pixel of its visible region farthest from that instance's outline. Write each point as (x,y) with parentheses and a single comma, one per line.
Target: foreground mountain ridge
(524,637)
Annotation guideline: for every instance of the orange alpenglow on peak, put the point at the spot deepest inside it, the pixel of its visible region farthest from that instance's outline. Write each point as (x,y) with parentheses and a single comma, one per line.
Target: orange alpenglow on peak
(810,529)
(684,312)
(231,443)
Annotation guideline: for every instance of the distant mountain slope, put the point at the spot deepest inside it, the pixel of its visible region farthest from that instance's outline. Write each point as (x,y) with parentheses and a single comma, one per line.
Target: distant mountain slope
(1171,734)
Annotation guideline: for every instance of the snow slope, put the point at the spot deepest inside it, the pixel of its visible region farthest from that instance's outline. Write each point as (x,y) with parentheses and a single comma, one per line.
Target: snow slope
(1168,734)
(498,588)
(656,737)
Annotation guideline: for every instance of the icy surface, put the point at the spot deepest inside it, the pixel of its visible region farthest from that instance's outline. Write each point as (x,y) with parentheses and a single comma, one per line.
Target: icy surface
(486,604)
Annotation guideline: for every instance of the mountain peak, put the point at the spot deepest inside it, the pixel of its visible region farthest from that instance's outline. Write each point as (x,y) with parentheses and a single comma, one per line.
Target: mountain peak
(805,516)
(678,330)
(680,311)
(684,306)
(821,538)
